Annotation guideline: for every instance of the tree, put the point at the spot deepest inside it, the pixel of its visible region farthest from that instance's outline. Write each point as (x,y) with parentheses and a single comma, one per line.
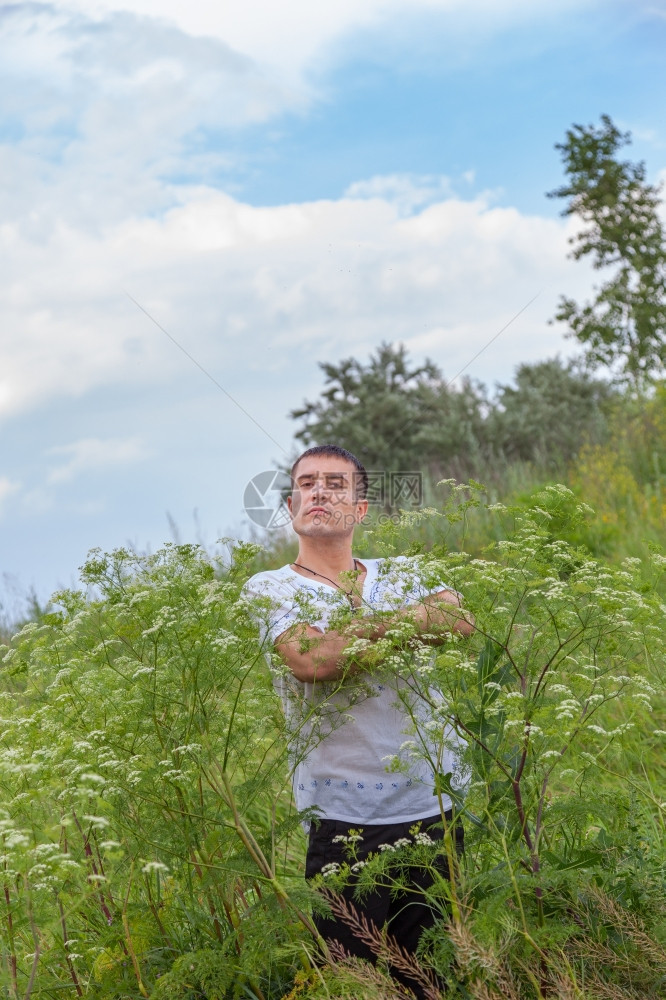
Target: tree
(549,413)
(624,328)
(393,416)
(399,417)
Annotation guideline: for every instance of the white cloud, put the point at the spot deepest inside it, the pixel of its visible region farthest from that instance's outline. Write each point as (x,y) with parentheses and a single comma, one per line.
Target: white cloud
(113,104)
(289,35)
(102,118)
(259,294)
(406,191)
(7,487)
(93,454)
(644,134)
(653,11)
(109,107)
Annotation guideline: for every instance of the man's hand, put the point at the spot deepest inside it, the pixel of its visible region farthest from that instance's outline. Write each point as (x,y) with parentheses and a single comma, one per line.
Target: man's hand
(441,614)
(312,655)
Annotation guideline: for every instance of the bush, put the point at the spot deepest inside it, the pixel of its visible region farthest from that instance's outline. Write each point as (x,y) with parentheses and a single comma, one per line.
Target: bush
(141,747)
(149,843)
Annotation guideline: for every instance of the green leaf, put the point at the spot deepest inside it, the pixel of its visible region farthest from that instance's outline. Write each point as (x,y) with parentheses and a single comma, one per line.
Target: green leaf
(491,669)
(443,786)
(580,859)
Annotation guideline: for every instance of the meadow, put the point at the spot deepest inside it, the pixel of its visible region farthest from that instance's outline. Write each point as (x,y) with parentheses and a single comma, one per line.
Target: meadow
(150,847)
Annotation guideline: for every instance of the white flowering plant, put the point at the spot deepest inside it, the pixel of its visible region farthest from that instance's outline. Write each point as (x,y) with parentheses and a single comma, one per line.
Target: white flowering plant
(145,808)
(148,842)
(545,705)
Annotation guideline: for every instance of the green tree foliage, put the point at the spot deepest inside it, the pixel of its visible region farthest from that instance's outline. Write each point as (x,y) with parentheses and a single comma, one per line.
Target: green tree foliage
(393,415)
(398,417)
(550,411)
(624,328)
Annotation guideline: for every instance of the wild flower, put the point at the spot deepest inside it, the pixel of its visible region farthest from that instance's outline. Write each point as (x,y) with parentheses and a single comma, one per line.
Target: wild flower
(423,839)
(353,837)
(98,822)
(154,866)
(143,671)
(562,642)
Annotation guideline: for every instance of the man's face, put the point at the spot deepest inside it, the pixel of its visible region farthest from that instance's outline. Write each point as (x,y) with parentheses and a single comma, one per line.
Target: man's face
(323,502)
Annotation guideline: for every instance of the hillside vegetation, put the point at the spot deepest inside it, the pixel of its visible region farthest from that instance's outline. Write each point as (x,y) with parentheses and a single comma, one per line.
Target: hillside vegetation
(150,847)
(149,843)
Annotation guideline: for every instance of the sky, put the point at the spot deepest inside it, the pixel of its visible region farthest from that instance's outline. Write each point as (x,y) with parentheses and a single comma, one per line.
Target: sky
(200,203)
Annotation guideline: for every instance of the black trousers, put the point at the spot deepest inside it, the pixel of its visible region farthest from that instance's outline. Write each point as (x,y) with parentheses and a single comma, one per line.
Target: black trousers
(405,916)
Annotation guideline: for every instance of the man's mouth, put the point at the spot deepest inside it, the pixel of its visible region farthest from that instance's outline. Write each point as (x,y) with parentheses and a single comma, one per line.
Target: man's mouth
(318,510)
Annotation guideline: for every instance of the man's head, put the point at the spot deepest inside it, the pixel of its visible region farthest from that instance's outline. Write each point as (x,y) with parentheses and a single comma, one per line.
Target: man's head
(329,487)
(336,451)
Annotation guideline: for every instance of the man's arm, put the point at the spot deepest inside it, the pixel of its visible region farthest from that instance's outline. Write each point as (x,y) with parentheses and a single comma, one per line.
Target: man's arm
(440,614)
(312,655)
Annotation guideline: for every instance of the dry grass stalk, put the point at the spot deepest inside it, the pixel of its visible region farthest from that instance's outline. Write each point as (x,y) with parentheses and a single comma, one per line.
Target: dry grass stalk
(482,991)
(566,989)
(381,985)
(636,962)
(630,924)
(601,955)
(383,945)
(473,958)
(596,990)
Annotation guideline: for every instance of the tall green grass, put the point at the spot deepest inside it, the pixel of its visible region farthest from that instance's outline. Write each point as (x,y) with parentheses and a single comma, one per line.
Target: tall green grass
(149,845)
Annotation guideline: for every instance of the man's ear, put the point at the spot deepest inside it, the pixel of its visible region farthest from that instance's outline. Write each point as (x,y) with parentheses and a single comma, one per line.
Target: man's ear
(361,510)
(289,503)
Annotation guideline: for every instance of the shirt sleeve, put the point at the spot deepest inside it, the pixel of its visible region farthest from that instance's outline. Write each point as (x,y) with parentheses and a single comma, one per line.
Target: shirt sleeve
(273,606)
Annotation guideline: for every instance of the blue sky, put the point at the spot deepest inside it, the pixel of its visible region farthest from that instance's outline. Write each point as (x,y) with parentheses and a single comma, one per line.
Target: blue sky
(277,185)
(460,100)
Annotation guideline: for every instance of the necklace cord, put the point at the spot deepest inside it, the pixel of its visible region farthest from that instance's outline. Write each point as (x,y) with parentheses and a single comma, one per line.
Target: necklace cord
(347,593)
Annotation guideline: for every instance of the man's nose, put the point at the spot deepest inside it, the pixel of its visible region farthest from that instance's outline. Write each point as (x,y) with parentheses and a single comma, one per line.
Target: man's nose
(318,488)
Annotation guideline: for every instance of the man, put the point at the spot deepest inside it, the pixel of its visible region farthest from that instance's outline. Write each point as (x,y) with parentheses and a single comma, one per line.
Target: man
(348,725)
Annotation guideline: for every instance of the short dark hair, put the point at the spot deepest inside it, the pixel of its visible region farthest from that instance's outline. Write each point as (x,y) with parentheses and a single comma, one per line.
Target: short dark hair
(336,451)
